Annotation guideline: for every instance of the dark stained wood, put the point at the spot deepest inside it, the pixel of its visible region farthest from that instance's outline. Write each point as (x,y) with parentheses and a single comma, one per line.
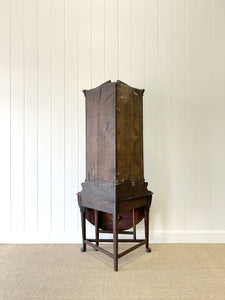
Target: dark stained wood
(114,196)
(106,219)
(99,248)
(100,133)
(134,222)
(127,190)
(101,196)
(83,226)
(119,232)
(115,238)
(135,203)
(147,249)
(129,133)
(119,240)
(96,227)
(131,249)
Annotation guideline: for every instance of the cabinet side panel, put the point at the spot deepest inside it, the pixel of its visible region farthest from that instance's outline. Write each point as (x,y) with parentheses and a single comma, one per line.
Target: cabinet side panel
(129,136)
(91,137)
(100,114)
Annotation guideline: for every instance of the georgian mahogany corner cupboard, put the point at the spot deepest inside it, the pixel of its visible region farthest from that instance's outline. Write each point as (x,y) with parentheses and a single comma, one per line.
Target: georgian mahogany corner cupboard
(114,196)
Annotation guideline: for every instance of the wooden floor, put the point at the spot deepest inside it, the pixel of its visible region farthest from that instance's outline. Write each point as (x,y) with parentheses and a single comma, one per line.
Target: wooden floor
(171,271)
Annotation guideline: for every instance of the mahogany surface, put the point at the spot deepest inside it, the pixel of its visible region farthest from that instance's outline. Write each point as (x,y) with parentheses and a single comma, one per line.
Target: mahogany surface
(114,133)
(114,196)
(125,219)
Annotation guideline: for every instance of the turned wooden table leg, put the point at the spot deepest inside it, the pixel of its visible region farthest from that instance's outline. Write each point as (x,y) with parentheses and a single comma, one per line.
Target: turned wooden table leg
(134,223)
(83,226)
(147,249)
(115,240)
(96,228)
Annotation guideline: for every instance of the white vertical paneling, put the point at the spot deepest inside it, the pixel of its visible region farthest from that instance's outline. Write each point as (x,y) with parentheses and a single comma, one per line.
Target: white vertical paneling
(218,44)
(138,43)
(5,119)
(17,116)
(52,50)
(125,40)
(58,115)
(30,109)
(191,114)
(205,115)
(151,135)
(71,114)
(164,114)
(44,116)
(178,113)
(84,78)
(111,39)
(98,42)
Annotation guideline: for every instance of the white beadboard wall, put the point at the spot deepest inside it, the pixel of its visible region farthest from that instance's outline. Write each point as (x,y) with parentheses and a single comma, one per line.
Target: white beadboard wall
(52,49)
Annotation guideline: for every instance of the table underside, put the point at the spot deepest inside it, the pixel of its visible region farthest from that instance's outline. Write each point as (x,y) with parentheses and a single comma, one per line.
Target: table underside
(125,219)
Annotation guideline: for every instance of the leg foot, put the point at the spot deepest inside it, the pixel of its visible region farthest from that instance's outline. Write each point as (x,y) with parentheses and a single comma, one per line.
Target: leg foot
(96,228)
(83,226)
(134,223)
(147,249)
(82,249)
(115,240)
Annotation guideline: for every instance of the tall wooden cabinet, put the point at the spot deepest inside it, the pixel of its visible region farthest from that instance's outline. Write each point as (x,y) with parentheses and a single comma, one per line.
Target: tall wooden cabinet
(114,196)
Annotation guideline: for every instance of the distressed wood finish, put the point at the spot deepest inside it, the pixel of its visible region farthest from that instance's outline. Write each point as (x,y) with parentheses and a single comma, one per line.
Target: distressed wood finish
(114,196)
(100,133)
(129,134)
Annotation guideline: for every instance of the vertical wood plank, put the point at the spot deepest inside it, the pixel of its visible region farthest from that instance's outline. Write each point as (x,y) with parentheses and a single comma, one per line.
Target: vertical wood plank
(150,112)
(218,43)
(98,42)
(85,69)
(178,113)
(44,116)
(125,40)
(58,115)
(111,39)
(205,115)
(191,115)
(5,25)
(30,77)
(138,43)
(17,116)
(71,114)
(164,115)
(84,82)
(137,55)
